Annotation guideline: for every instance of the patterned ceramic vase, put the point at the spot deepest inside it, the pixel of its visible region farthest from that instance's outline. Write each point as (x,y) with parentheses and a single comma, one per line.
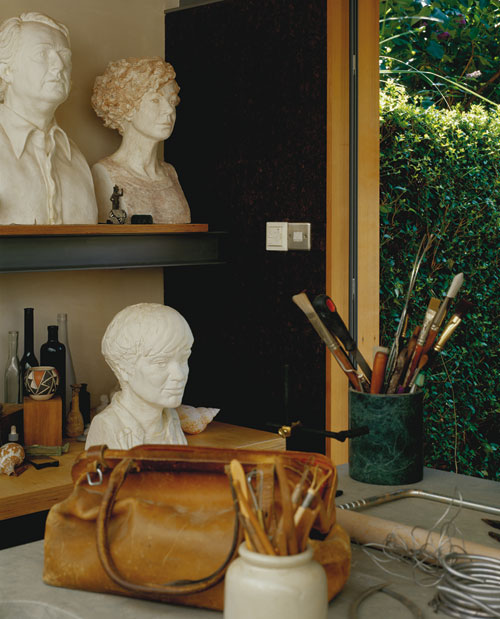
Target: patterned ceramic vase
(41,382)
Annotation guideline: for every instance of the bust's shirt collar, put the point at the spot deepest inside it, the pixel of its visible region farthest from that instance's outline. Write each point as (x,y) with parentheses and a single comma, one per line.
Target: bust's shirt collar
(18,130)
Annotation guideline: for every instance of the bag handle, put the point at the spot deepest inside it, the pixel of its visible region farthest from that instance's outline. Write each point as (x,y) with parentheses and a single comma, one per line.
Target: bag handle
(179,587)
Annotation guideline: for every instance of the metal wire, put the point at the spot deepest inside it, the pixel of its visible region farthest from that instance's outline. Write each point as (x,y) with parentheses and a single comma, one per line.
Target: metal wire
(470,586)
(467,585)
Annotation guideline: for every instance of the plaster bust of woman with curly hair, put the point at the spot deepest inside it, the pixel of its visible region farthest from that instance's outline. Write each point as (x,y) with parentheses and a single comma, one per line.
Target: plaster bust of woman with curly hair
(138,97)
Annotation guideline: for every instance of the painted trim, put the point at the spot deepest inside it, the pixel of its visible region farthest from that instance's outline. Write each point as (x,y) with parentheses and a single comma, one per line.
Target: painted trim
(338,193)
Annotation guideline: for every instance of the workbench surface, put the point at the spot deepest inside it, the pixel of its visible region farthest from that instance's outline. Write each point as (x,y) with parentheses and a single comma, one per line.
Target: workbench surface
(21,567)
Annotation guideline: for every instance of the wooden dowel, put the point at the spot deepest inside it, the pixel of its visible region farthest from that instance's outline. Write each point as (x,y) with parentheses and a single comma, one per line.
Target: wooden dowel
(365,529)
(248,513)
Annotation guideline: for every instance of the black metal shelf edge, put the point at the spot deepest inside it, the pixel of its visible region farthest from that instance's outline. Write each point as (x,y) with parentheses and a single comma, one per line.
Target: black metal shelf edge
(68,253)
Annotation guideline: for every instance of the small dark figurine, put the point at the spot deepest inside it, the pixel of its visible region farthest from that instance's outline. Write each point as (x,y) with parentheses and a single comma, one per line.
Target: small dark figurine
(116,215)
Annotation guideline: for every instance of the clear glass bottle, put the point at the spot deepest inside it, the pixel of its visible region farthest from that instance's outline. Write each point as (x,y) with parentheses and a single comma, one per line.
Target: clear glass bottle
(62,323)
(12,375)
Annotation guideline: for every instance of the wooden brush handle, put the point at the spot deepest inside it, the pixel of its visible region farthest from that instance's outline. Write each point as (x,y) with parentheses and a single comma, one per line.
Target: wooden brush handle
(378,372)
(286,505)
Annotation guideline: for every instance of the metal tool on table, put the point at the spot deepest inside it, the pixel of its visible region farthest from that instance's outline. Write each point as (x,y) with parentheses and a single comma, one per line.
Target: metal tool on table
(496,525)
(418,494)
(286,431)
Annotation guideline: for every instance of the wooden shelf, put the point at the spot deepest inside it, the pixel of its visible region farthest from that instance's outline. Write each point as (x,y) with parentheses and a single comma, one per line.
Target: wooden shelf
(35,491)
(99,229)
(79,247)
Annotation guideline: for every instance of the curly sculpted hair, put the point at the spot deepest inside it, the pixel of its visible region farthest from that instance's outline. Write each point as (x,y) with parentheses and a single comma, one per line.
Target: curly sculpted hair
(119,91)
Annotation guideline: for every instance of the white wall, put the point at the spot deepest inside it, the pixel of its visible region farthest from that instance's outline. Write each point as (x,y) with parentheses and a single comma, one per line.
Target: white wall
(100,30)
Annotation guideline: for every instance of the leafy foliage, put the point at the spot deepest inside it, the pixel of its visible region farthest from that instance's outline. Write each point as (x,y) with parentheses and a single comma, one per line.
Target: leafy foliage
(444,51)
(440,173)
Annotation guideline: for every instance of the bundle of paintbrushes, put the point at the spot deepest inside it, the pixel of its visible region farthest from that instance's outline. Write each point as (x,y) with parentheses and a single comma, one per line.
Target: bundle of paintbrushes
(405,365)
(277,518)
(400,370)
(423,346)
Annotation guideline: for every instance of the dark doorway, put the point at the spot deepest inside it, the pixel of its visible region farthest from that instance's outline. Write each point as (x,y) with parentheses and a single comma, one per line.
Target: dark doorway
(250,147)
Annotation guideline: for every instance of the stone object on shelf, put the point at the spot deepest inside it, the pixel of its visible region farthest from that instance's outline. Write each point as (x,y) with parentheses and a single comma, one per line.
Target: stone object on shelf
(11,455)
(195,419)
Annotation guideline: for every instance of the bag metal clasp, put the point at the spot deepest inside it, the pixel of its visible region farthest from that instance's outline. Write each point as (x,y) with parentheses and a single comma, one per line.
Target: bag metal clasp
(95,482)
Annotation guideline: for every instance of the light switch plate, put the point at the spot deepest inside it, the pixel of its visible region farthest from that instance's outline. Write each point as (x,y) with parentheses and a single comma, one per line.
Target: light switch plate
(299,236)
(277,235)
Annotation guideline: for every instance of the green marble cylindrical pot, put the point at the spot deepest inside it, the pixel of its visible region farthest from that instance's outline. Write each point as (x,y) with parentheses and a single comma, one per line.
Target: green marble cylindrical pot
(392,452)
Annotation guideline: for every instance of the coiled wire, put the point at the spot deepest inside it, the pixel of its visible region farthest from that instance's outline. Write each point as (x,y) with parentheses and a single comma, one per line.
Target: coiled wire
(470,586)
(467,585)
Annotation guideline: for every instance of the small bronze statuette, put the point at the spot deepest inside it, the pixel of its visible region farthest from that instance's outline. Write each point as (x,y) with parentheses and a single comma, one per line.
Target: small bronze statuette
(116,215)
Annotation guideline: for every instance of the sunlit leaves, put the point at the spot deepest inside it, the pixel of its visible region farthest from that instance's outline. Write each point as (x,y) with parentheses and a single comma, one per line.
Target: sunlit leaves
(440,172)
(440,48)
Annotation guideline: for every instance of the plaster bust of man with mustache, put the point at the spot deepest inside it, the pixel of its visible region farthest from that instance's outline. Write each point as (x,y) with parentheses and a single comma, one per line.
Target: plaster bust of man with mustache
(147,346)
(44,178)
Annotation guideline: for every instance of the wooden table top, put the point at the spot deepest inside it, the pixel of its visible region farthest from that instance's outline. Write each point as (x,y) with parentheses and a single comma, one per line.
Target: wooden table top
(37,490)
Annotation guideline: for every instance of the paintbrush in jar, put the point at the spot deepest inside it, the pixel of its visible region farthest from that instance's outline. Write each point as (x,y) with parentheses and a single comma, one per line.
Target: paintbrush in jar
(328,313)
(424,246)
(287,509)
(302,301)
(402,361)
(430,313)
(427,359)
(455,286)
(380,357)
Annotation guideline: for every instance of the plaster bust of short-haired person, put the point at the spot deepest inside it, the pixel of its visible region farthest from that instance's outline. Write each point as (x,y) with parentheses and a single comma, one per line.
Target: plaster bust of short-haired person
(44,178)
(147,346)
(138,97)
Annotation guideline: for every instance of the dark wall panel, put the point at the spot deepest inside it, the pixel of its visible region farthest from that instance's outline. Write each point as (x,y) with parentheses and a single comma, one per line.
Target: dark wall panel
(250,147)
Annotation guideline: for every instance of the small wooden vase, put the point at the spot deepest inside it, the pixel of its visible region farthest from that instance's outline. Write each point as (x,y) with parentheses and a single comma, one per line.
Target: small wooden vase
(74,420)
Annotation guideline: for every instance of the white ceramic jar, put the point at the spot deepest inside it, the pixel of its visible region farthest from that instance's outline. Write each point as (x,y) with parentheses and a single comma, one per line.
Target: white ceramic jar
(275,587)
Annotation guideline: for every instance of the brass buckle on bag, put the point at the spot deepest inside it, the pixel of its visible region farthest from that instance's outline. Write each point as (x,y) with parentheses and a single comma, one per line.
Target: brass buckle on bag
(98,481)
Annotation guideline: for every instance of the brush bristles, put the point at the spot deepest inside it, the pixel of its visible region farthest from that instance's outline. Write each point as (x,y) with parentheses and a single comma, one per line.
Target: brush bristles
(434,304)
(305,305)
(456,284)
